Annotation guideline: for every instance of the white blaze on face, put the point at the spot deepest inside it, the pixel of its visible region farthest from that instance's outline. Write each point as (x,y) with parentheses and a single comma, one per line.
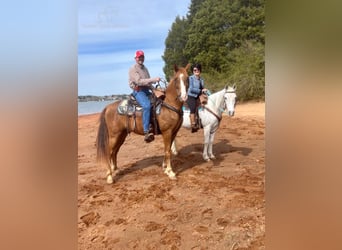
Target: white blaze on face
(230,102)
(183,89)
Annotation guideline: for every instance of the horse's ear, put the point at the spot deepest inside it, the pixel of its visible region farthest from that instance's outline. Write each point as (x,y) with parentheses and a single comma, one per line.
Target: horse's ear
(226,87)
(234,86)
(187,66)
(175,67)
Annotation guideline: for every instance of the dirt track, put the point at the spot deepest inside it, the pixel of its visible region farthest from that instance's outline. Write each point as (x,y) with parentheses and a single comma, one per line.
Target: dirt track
(213,205)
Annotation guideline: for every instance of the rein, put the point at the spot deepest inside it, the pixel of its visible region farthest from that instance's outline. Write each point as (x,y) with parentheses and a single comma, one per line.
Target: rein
(212,112)
(219,118)
(219,108)
(179,112)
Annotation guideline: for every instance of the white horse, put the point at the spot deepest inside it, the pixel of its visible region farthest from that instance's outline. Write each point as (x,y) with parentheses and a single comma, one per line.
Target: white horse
(210,117)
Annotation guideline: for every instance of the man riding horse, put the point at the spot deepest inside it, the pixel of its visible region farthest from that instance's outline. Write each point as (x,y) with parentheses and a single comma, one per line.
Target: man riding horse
(140,82)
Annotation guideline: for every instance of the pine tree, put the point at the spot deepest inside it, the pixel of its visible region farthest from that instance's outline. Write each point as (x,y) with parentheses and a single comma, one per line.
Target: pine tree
(227,38)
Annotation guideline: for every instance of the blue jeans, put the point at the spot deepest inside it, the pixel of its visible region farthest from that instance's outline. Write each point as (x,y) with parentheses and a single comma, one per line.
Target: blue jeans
(142,97)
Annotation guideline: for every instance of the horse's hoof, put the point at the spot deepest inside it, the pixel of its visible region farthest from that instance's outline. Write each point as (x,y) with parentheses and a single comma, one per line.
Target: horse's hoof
(109,179)
(207,159)
(173,178)
(212,157)
(170,174)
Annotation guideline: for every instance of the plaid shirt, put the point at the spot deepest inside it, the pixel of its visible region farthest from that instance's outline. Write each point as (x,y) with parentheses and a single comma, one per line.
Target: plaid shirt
(139,77)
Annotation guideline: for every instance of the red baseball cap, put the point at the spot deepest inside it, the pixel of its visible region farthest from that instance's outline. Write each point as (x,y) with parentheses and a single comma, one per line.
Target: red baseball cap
(139,53)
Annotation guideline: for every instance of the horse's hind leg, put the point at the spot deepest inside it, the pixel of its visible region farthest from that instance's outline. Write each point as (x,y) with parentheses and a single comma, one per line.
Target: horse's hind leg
(115,144)
(112,169)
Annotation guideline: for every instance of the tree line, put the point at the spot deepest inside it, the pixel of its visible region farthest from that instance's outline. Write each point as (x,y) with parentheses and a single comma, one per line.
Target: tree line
(228,38)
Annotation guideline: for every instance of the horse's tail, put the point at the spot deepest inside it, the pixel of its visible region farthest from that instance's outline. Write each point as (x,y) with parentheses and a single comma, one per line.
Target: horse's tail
(102,139)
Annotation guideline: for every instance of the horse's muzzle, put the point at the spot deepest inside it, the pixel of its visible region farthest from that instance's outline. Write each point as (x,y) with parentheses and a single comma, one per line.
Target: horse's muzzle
(231,113)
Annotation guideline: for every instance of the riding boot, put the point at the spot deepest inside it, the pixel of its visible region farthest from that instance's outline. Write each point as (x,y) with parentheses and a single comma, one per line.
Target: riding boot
(194,127)
(148,137)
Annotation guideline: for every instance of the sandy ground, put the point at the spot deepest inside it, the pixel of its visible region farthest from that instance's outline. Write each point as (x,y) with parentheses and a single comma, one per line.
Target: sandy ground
(212,205)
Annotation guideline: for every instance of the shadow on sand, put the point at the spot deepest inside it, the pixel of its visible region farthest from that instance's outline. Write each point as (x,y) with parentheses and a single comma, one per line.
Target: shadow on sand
(188,157)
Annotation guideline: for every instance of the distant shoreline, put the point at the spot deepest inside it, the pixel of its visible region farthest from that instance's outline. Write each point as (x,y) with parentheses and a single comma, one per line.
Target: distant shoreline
(89,115)
(94,98)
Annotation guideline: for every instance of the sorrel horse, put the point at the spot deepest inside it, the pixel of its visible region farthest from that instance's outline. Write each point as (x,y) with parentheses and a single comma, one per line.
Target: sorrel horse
(210,117)
(114,127)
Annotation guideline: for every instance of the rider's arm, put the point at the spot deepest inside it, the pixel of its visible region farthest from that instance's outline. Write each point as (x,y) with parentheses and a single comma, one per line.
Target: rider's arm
(141,77)
(193,90)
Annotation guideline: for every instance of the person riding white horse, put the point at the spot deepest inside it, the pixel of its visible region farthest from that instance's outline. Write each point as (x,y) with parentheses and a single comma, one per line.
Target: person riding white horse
(196,88)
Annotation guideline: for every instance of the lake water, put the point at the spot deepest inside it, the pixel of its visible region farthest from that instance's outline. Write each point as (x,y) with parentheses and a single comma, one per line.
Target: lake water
(92,107)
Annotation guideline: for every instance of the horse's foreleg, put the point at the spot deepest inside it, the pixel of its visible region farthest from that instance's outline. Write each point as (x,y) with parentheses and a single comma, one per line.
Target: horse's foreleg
(167,166)
(210,146)
(167,157)
(206,133)
(174,147)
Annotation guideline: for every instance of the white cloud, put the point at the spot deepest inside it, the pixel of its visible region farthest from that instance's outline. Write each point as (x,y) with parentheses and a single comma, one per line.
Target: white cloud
(111,31)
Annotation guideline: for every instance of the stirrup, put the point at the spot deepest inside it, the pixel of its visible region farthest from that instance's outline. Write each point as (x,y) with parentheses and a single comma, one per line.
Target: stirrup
(149,137)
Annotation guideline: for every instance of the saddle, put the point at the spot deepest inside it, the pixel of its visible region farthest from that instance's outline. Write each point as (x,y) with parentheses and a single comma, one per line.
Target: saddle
(131,109)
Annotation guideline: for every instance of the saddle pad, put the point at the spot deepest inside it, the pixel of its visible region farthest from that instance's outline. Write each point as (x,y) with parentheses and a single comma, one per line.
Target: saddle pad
(185,108)
(125,108)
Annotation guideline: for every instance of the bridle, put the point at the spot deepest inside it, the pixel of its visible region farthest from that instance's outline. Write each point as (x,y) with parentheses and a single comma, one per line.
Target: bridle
(220,109)
(178,97)
(179,92)
(231,92)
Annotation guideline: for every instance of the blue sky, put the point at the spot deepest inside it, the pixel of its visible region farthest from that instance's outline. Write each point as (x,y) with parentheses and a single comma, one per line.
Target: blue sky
(109,33)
